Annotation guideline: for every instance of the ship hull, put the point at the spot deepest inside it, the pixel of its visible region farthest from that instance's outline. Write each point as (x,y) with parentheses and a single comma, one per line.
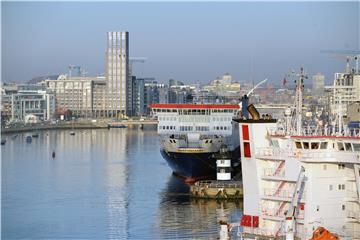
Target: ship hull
(194,165)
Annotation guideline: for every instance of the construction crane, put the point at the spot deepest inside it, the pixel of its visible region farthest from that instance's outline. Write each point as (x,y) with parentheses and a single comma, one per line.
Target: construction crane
(72,67)
(348,55)
(132,60)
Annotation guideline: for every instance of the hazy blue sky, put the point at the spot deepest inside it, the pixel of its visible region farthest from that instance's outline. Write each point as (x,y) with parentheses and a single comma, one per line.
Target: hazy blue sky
(192,42)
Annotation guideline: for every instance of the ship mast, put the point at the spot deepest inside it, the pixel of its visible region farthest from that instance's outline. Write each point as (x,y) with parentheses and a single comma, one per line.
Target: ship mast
(299,100)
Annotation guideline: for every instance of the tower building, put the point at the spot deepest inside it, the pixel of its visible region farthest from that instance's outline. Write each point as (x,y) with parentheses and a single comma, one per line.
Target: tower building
(117,73)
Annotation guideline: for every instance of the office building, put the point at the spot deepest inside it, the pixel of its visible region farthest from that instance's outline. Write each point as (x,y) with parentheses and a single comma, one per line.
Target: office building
(318,85)
(19,101)
(83,96)
(117,74)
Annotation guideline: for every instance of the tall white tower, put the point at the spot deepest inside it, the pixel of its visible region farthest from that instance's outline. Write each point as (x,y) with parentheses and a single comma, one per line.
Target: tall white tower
(117,73)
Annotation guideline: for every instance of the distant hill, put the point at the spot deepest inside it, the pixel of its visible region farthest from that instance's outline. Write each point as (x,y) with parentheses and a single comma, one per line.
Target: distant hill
(41,78)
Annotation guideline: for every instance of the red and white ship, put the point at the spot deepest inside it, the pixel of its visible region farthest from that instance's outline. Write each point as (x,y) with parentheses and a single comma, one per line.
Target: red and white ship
(297,179)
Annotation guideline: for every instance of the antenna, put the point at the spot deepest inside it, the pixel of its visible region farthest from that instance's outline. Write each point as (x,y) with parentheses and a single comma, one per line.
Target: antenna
(298,98)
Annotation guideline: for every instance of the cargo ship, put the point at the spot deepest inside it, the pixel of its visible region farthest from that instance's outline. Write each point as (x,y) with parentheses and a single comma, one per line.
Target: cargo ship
(191,135)
(300,181)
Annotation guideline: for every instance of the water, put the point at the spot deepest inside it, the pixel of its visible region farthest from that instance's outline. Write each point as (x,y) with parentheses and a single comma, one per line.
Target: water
(101,184)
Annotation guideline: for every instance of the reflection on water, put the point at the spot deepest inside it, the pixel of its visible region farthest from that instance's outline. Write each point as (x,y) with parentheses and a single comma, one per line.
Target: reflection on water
(181,216)
(101,184)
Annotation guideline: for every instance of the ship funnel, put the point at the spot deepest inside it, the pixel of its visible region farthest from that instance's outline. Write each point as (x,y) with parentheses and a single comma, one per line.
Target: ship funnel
(244,105)
(253,112)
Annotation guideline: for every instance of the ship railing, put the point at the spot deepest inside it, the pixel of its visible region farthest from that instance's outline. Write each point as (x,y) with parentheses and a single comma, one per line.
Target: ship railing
(268,232)
(353,214)
(272,192)
(306,154)
(351,194)
(272,172)
(318,131)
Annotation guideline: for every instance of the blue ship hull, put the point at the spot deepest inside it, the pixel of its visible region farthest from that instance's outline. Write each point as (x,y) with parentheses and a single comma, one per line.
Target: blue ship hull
(195,165)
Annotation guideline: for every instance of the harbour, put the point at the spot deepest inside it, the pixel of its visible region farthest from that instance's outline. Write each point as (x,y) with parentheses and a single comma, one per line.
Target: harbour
(103,182)
(183,120)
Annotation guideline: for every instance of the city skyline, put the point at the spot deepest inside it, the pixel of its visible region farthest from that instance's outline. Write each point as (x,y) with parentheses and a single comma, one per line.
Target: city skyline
(190,42)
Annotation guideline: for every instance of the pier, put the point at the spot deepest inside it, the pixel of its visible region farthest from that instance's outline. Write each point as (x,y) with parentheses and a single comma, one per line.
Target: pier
(215,189)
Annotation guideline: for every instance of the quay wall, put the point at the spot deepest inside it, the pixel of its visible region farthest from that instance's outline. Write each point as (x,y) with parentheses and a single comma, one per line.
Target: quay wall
(75,125)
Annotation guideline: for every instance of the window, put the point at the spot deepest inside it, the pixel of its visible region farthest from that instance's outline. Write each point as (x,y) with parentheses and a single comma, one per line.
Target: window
(348,147)
(343,207)
(306,145)
(323,145)
(314,145)
(298,145)
(341,166)
(340,146)
(330,187)
(356,147)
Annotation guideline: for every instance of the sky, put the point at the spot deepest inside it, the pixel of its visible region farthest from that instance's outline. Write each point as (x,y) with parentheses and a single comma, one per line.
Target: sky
(193,42)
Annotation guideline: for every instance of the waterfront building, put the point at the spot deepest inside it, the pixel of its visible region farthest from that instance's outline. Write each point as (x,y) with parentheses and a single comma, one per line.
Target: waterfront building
(18,101)
(144,92)
(136,105)
(318,84)
(344,91)
(117,76)
(83,96)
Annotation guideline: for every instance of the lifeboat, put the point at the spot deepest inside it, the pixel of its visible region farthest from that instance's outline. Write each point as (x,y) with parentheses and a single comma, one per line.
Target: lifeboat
(322,233)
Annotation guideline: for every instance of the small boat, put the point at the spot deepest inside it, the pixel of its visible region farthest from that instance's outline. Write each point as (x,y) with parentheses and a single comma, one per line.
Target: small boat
(3,141)
(28,139)
(35,135)
(72,133)
(14,136)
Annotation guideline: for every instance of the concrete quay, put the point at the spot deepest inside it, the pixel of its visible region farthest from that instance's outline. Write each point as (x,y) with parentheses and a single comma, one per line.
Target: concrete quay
(215,189)
(77,125)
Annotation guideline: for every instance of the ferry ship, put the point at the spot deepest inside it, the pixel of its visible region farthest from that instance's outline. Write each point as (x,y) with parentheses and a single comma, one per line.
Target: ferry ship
(192,133)
(299,181)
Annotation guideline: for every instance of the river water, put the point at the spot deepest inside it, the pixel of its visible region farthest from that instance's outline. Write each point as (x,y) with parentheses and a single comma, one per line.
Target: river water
(102,184)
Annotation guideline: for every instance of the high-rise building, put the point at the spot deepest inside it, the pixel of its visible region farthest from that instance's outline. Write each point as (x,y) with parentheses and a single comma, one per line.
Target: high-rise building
(318,84)
(117,74)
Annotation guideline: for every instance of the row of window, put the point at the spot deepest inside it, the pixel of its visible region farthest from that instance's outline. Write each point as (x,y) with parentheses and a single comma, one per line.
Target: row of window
(222,128)
(191,128)
(340,187)
(167,119)
(341,146)
(342,207)
(166,127)
(195,111)
(340,166)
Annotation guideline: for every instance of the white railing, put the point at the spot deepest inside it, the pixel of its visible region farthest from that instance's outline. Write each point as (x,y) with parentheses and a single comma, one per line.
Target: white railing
(271,172)
(351,194)
(271,192)
(353,214)
(318,155)
(316,131)
(261,231)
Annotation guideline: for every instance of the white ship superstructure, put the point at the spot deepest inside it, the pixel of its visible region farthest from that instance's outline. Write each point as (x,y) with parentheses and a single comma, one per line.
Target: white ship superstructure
(297,179)
(191,133)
